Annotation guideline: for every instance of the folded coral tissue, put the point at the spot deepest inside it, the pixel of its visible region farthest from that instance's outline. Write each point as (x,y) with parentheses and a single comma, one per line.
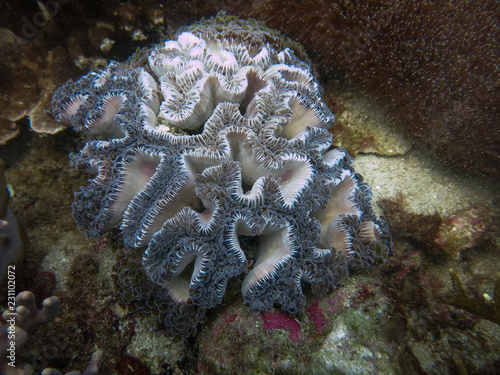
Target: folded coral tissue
(212,154)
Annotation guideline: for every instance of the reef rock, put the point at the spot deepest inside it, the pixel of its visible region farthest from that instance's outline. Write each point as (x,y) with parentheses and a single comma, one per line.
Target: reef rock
(215,160)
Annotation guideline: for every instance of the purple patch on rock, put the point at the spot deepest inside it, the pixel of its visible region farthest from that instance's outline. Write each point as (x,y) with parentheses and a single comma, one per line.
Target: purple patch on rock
(276,320)
(315,315)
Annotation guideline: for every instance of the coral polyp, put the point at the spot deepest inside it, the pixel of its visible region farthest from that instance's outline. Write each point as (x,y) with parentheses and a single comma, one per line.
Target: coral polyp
(218,141)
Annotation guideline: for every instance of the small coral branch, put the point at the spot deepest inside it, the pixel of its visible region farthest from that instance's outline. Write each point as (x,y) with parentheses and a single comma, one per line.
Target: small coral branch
(29,316)
(18,319)
(13,333)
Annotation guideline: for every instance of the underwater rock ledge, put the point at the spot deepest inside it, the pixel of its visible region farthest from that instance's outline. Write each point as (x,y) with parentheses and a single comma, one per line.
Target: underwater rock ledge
(219,139)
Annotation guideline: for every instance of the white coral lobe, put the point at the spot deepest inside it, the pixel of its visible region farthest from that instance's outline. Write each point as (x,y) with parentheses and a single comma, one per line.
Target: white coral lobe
(275,248)
(216,160)
(302,117)
(183,276)
(70,107)
(341,204)
(293,177)
(136,174)
(100,123)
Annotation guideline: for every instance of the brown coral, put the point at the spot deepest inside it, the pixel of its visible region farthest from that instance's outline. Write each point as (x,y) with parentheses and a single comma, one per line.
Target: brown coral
(432,64)
(42,44)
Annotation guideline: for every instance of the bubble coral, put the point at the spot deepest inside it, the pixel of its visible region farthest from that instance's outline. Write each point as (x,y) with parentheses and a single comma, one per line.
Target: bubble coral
(221,136)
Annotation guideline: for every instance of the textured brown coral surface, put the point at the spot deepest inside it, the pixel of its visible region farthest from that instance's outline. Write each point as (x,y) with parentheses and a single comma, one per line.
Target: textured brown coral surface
(44,43)
(432,64)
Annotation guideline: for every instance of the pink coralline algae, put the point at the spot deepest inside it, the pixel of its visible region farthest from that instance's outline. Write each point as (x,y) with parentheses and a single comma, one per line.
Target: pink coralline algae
(212,154)
(315,315)
(276,320)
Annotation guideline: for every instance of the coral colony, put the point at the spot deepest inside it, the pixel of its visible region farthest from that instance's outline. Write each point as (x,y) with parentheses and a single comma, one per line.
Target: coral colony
(212,153)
